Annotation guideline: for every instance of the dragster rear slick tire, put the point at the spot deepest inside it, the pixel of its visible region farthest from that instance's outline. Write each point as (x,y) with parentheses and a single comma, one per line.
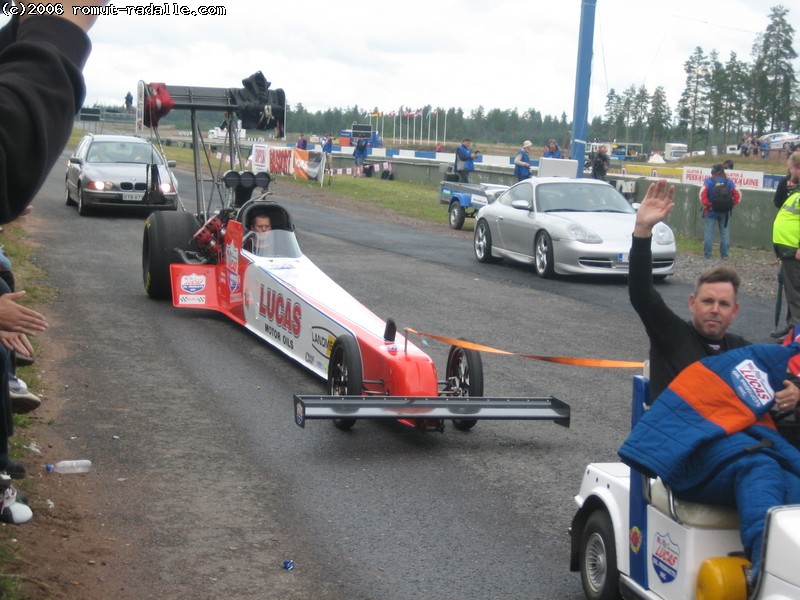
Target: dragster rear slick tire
(163,232)
(465,368)
(345,373)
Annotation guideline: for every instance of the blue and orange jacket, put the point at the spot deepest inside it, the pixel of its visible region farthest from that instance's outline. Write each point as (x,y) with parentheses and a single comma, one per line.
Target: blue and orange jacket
(714,411)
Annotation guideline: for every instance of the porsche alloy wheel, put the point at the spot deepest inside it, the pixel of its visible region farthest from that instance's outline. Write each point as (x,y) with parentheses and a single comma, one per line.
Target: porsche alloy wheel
(598,559)
(464,371)
(482,243)
(345,373)
(457,215)
(543,256)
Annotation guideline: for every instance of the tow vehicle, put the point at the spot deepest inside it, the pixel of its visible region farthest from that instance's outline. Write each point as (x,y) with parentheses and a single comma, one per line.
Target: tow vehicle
(631,538)
(263,282)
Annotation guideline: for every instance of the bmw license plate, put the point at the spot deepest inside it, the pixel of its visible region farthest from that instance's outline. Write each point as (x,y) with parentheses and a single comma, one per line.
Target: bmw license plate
(132,197)
(622,258)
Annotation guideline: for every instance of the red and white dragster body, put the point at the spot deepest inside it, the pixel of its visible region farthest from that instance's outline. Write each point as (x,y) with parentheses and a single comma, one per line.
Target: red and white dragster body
(265,283)
(294,306)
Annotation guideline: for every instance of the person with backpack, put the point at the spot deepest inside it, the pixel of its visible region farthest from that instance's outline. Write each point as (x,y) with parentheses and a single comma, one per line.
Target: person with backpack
(718,195)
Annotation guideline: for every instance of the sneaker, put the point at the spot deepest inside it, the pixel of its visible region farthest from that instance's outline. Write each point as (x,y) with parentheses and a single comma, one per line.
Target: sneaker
(22,399)
(15,470)
(24,403)
(12,511)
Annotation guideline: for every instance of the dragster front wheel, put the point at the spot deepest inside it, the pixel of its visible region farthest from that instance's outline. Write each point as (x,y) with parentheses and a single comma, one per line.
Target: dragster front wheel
(465,371)
(163,232)
(345,375)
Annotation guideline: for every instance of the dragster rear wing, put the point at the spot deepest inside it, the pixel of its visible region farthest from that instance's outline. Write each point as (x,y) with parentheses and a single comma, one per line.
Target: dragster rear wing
(430,407)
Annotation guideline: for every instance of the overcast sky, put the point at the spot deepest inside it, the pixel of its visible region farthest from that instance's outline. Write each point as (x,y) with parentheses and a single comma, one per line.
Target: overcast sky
(465,53)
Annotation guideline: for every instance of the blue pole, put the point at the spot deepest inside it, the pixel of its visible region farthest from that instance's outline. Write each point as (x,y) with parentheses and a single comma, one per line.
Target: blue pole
(583,79)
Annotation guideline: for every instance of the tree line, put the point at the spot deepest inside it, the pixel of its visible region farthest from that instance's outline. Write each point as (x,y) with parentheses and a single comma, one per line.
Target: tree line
(722,101)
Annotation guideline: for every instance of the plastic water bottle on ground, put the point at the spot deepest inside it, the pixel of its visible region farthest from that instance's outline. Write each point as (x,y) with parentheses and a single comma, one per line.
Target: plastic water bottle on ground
(70,466)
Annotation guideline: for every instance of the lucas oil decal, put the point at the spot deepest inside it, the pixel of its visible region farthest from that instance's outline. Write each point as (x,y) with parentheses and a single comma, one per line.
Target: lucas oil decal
(752,384)
(666,555)
(281,310)
(193,283)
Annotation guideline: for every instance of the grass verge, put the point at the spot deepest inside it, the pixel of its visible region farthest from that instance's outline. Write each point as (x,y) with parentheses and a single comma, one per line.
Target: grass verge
(31,278)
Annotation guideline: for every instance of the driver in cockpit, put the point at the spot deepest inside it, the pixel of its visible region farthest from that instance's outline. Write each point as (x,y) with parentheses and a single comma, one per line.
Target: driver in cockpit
(254,240)
(261,223)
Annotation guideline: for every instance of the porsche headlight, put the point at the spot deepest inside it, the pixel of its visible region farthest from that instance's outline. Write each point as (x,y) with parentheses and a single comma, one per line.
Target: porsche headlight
(662,235)
(579,233)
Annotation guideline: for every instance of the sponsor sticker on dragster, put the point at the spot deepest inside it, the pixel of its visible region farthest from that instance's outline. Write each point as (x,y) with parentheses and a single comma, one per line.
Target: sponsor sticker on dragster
(752,385)
(290,323)
(194,299)
(232,266)
(191,284)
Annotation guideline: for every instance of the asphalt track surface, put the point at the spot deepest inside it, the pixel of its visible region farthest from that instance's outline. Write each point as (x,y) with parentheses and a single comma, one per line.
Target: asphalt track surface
(189,420)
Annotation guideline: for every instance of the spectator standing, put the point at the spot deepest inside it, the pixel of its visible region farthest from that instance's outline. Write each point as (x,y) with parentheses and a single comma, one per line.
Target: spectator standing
(764,147)
(744,147)
(128,103)
(327,148)
(786,241)
(522,162)
(465,158)
(552,150)
(718,195)
(302,143)
(360,156)
(600,163)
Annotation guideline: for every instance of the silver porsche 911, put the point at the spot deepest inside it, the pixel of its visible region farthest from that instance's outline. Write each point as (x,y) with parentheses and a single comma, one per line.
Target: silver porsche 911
(566,226)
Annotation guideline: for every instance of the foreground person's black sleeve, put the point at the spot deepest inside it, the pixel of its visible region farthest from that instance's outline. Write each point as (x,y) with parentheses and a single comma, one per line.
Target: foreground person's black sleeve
(41,90)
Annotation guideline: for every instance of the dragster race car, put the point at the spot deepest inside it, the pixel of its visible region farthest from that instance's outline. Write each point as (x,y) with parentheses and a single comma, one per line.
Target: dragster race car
(263,282)
(214,260)
(632,538)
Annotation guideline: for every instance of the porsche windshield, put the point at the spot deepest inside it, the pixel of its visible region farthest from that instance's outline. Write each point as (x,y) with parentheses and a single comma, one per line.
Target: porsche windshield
(580,197)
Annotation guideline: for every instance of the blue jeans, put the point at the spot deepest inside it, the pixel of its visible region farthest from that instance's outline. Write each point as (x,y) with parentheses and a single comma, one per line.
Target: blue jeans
(721,222)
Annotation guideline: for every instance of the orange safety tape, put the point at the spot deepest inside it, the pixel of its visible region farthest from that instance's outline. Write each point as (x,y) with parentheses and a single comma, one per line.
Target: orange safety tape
(564,360)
